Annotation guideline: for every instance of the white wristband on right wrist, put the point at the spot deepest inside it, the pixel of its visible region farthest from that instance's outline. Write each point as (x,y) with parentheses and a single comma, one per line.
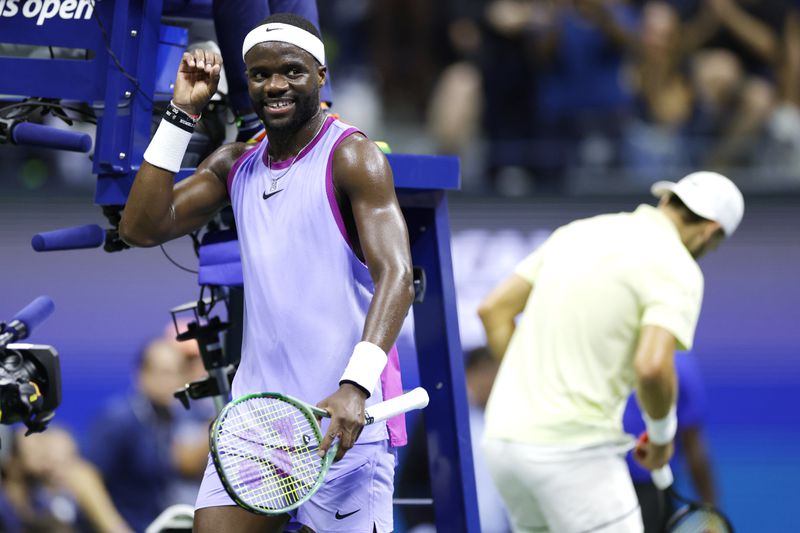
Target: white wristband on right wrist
(662,431)
(168,147)
(172,137)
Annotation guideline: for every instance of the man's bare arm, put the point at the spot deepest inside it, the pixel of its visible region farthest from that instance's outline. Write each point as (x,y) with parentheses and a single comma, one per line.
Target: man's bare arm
(158,210)
(363,177)
(789,72)
(500,308)
(752,32)
(362,173)
(656,388)
(654,363)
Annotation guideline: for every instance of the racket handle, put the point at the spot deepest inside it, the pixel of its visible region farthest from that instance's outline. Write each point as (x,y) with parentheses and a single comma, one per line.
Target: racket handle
(415,399)
(662,477)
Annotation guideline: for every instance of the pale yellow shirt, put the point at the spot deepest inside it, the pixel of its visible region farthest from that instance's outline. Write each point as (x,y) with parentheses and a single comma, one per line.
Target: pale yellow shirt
(568,369)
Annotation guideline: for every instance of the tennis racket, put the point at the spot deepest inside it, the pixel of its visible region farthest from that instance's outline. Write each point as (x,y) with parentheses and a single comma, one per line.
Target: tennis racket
(265,447)
(692,517)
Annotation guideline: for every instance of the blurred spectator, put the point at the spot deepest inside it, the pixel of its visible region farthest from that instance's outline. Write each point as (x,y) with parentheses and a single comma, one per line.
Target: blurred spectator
(190,447)
(537,60)
(403,53)
(132,441)
(414,477)
(487,88)
(784,125)
(734,75)
(539,96)
(583,96)
(516,156)
(584,46)
(749,29)
(455,107)
(705,76)
(690,446)
(49,488)
(654,139)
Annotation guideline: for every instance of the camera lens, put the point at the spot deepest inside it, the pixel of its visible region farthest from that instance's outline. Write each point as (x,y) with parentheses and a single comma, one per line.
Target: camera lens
(12,361)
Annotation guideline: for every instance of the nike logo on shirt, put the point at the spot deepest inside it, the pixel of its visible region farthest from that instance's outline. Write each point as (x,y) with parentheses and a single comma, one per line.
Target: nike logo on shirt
(340,516)
(266,196)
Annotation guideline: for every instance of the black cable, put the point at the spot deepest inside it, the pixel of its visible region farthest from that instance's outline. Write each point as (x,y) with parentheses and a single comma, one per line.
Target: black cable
(195,242)
(114,57)
(171,260)
(89,117)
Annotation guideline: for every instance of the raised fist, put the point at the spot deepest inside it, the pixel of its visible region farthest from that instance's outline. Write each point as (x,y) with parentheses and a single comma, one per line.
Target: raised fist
(197,79)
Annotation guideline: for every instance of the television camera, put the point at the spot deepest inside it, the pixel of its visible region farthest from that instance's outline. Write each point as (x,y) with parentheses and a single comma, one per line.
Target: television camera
(30,374)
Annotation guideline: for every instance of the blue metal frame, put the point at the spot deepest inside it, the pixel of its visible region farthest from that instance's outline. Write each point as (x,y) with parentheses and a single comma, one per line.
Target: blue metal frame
(133,32)
(126,124)
(441,365)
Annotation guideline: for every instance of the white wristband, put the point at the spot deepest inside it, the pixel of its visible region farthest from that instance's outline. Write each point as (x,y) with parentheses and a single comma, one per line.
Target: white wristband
(365,366)
(662,431)
(168,147)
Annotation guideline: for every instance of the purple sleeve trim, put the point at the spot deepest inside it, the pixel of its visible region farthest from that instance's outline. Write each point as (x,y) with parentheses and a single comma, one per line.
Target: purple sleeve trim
(236,166)
(392,386)
(337,214)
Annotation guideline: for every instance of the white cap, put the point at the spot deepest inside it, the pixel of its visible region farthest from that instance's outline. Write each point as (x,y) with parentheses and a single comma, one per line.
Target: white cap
(709,195)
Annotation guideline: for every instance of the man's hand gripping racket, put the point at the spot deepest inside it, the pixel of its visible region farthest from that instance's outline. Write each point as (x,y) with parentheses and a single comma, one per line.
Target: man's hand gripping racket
(692,517)
(265,447)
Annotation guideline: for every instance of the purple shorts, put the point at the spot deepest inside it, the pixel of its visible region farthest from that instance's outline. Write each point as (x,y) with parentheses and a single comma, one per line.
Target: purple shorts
(357,492)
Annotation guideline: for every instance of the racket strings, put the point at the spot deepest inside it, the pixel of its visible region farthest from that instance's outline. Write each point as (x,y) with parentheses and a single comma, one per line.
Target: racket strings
(267,449)
(267,471)
(700,521)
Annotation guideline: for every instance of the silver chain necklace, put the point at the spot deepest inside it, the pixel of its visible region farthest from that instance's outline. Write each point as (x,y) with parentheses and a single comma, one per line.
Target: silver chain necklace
(274,178)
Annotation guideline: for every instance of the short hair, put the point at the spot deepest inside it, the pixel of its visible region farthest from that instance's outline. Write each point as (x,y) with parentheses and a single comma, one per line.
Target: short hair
(293,20)
(687,215)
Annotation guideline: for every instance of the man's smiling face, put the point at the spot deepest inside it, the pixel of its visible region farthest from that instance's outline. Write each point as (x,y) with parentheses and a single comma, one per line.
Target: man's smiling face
(283,81)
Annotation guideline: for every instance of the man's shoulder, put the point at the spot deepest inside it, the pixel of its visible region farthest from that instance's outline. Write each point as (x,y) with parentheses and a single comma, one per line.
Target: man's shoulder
(355,157)
(352,140)
(222,160)
(597,228)
(673,267)
(677,258)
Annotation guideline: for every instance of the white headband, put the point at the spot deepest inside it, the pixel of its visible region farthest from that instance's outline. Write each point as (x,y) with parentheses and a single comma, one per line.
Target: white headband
(285,33)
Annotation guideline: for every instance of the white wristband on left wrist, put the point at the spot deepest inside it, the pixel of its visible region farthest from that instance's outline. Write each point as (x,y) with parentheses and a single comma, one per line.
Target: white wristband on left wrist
(365,366)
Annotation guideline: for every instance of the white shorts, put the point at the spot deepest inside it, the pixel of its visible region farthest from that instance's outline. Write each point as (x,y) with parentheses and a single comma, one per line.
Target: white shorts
(578,493)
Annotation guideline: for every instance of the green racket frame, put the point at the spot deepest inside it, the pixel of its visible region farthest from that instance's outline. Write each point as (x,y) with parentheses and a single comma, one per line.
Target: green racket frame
(310,412)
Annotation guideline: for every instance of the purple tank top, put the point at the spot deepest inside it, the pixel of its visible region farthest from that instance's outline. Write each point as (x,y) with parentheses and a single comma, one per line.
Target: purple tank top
(306,292)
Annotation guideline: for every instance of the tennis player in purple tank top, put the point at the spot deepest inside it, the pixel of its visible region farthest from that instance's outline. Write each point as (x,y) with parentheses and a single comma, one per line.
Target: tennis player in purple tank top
(327,267)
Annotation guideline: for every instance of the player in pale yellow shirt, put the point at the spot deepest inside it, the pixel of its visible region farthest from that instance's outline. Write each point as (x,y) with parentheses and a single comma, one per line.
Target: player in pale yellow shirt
(605,303)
